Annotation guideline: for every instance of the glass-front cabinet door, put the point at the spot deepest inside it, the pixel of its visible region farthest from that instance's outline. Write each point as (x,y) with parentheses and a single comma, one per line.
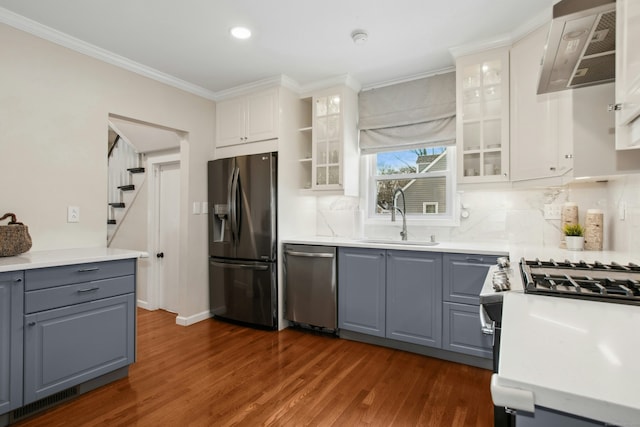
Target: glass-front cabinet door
(327,142)
(483,116)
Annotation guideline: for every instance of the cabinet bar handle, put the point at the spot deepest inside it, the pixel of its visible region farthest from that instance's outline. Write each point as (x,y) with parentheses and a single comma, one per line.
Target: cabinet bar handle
(31,323)
(474,259)
(86,270)
(310,254)
(82,291)
(18,280)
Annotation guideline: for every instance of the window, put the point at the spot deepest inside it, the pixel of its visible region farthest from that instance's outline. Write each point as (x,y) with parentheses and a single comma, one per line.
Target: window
(426,176)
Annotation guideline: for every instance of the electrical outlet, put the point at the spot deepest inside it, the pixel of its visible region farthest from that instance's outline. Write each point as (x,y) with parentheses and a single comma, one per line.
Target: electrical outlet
(73,214)
(552,211)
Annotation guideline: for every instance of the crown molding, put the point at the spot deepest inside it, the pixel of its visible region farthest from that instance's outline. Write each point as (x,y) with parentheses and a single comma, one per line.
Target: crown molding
(409,78)
(35,28)
(266,83)
(342,80)
(504,40)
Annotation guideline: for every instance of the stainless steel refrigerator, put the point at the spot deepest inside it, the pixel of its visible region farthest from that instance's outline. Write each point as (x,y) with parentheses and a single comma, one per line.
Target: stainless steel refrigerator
(243,240)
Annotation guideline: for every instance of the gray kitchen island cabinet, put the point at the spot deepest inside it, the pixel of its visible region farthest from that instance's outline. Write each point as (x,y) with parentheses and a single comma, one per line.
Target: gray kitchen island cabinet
(463,276)
(79,325)
(11,302)
(391,294)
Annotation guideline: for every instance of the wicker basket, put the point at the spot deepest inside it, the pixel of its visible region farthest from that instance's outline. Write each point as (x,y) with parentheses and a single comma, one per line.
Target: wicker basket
(14,238)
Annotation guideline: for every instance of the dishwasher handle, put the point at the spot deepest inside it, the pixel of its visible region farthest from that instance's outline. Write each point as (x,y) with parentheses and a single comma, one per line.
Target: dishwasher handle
(310,254)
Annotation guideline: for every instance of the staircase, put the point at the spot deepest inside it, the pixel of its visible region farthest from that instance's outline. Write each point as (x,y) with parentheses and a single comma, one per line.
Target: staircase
(126,177)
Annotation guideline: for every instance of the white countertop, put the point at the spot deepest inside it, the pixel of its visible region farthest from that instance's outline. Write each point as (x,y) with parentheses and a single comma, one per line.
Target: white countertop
(575,356)
(452,247)
(54,258)
(515,251)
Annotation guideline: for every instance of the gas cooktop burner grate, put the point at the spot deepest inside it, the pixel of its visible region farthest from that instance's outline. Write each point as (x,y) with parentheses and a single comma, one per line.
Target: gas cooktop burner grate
(582,265)
(603,282)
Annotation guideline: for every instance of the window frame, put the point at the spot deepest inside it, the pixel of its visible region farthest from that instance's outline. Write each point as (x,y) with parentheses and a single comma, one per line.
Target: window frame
(449,219)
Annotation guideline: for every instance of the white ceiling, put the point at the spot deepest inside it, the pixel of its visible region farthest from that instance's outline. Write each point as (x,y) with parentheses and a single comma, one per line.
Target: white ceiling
(145,137)
(188,42)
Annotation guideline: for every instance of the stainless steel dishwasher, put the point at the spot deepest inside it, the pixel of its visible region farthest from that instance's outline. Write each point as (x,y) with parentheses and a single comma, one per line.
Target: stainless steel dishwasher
(311,286)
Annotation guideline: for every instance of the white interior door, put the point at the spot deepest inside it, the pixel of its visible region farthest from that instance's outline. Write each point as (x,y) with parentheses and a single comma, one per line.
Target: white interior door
(168,221)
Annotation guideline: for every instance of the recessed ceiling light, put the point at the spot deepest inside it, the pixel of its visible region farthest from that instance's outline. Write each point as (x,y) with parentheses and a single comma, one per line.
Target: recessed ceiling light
(241,33)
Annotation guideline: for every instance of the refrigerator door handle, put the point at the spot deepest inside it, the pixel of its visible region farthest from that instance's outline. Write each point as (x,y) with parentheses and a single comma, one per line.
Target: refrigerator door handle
(240,266)
(310,254)
(233,203)
(229,205)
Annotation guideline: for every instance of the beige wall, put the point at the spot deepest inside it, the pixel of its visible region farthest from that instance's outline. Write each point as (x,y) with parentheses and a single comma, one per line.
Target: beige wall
(54,107)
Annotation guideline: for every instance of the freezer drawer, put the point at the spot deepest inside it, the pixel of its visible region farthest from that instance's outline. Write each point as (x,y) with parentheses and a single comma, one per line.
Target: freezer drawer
(310,285)
(244,291)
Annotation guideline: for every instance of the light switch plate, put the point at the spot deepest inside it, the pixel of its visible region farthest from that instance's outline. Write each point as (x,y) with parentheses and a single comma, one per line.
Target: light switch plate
(205,207)
(73,214)
(622,211)
(196,208)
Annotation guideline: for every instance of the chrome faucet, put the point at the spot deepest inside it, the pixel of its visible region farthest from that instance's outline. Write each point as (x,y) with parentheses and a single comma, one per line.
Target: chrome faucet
(402,211)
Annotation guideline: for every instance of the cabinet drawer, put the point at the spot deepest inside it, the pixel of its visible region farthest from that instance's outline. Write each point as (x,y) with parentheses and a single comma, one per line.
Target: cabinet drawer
(464,275)
(60,296)
(78,273)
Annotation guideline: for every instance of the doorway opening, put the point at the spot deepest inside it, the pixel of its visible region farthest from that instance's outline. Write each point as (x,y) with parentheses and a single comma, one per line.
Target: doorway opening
(149,221)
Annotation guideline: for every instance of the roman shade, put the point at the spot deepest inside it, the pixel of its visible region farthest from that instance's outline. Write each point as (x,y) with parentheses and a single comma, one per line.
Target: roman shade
(408,115)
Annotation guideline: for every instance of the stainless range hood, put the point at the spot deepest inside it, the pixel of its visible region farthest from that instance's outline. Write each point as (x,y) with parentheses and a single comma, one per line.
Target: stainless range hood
(580,50)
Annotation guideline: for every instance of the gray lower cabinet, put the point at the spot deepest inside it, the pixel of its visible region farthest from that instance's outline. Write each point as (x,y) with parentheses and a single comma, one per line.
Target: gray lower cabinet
(425,298)
(11,303)
(463,277)
(461,326)
(70,345)
(414,297)
(79,324)
(391,294)
(361,290)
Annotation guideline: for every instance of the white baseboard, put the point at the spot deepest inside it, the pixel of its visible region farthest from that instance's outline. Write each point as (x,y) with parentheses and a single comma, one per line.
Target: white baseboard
(180,320)
(145,305)
(186,321)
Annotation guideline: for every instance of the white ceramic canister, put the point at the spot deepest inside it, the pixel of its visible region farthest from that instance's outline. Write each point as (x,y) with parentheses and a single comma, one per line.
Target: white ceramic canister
(594,230)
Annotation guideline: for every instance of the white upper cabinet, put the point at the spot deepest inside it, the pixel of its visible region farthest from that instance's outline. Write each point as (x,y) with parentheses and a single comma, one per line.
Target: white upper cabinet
(333,159)
(248,118)
(482,90)
(627,74)
(540,124)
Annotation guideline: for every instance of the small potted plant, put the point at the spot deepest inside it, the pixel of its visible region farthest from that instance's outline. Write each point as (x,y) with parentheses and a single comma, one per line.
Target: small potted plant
(574,236)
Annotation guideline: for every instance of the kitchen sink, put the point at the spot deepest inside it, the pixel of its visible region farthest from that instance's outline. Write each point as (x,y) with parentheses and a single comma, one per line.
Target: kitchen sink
(400,242)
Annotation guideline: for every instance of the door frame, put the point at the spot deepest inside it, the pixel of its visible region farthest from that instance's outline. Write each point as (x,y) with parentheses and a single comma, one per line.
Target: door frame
(154,163)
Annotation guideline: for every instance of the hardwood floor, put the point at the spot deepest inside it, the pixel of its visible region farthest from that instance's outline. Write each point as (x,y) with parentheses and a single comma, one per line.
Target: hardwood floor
(217,374)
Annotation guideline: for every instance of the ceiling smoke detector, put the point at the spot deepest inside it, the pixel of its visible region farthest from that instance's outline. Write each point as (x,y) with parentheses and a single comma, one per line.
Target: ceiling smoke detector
(359,37)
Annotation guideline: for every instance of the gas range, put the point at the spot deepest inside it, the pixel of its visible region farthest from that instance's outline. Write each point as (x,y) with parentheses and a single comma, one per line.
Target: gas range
(595,281)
